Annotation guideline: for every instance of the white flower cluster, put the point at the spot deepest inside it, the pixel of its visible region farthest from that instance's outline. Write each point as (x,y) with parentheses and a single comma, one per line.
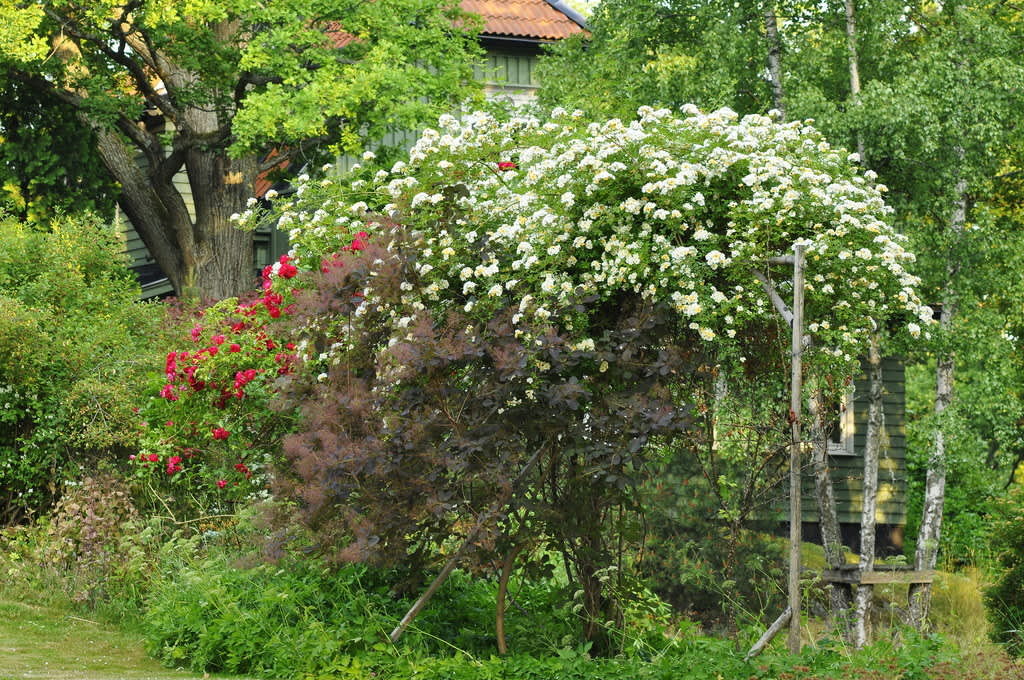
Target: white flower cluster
(688,210)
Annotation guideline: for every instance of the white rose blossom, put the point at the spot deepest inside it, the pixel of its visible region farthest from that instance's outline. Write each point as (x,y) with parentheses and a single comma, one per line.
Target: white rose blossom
(720,197)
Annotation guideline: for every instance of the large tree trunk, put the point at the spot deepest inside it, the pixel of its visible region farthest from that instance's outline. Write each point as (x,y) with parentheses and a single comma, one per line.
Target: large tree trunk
(831,538)
(206,257)
(926,554)
(156,215)
(860,628)
(203,255)
(223,254)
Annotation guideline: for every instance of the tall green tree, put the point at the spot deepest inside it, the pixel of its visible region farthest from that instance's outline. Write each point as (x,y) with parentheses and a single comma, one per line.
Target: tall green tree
(206,88)
(938,128)
(662,53)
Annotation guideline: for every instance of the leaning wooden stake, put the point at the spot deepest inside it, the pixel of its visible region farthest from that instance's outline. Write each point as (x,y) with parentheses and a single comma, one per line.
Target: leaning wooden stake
(467,545)
(773,629)
(499,608)
(796,389)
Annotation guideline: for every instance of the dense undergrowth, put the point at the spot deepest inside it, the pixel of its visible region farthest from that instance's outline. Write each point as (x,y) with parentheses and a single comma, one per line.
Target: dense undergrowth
(225,598)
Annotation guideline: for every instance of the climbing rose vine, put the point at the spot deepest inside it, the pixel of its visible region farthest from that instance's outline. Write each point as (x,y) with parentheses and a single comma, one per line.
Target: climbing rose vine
(208,437)
(694,211)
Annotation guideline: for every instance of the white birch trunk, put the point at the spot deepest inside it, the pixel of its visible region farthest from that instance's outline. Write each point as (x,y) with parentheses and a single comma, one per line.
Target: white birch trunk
(854,63)
(771,30)
(860,625)
(828,517)
(926,555)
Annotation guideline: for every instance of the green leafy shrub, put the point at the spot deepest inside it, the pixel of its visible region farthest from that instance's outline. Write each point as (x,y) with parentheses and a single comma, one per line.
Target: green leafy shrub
(93,551)
(71,334)
(300,615)
(1005,598)
(273,620)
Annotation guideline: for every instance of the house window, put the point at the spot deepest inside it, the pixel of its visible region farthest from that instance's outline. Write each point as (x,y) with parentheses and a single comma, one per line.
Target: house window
(840,436)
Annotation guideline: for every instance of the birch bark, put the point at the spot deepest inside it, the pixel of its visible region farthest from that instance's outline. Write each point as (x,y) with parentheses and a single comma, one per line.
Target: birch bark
(926,554)
(860,625)
(771,30)
(854,67)
(831,538)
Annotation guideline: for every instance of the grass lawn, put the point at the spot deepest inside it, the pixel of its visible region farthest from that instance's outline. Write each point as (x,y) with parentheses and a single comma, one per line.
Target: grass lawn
(47,642)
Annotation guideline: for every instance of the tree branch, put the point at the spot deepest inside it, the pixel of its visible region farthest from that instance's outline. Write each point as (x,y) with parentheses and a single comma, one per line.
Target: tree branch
(773,295)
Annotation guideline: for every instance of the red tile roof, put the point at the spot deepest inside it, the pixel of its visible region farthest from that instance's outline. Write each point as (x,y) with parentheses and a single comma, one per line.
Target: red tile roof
(531,19)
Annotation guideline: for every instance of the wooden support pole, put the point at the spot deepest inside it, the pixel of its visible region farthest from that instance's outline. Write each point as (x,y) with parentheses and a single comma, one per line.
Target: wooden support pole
(467,546)
(763,641)
(796,391)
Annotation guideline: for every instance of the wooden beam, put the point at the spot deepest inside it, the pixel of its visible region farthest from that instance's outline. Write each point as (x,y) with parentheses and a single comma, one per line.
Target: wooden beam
(795,446)
(855,577)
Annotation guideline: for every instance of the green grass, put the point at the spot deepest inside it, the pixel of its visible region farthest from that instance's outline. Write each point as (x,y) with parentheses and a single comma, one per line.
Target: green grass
(50,642)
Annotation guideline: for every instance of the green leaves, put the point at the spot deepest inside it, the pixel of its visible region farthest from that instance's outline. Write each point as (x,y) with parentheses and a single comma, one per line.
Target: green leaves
(69,330)
(359,70)
(20,39)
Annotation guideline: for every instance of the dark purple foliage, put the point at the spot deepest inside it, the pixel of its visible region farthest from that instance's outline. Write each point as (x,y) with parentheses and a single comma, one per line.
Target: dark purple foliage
(404,446)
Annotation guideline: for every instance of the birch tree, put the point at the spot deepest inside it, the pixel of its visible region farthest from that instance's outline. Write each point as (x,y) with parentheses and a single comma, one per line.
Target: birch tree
(956,101)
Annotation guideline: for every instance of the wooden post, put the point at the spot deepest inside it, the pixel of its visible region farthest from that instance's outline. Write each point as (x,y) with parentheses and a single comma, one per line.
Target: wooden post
(796,390)
(763,641)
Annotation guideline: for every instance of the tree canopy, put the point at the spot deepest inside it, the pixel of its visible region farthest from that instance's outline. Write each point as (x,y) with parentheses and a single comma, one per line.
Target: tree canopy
(206,88)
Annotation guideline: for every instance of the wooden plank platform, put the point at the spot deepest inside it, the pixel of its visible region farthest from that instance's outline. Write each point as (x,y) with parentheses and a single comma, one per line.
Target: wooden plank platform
(881,574)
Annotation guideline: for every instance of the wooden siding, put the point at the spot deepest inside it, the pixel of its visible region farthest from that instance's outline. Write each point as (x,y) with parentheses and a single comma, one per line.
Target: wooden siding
(508,70)
(848,471)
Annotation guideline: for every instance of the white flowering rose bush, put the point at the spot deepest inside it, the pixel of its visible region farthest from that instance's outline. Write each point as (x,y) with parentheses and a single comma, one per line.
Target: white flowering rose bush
(547,305)
(693,211)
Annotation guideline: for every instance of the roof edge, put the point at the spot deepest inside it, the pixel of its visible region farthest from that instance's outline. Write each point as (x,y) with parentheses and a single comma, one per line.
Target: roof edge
(569,12)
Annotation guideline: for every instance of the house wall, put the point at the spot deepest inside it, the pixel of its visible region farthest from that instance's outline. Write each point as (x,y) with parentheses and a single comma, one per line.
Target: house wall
(847,471)
(510,74)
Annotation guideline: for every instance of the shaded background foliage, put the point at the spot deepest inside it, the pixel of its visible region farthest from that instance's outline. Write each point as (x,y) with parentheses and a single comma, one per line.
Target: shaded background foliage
(48,162)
